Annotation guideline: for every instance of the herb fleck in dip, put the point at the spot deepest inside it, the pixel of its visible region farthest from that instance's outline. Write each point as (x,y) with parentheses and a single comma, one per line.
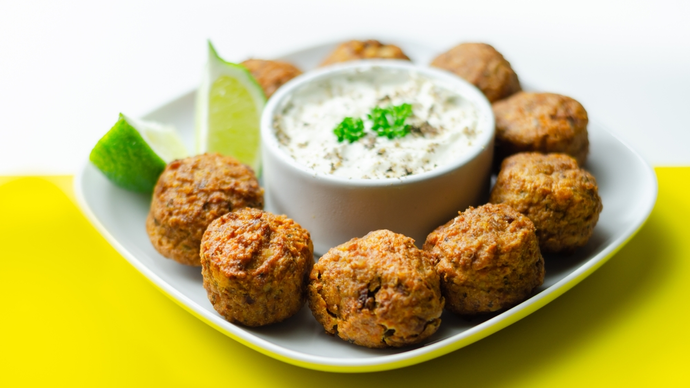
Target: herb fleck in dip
(443,125)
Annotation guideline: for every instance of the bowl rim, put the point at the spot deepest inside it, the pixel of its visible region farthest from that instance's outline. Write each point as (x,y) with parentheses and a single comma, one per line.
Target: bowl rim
(486,120)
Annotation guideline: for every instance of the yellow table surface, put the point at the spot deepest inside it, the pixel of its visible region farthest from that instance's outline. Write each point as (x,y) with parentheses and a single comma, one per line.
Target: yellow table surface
(75,313)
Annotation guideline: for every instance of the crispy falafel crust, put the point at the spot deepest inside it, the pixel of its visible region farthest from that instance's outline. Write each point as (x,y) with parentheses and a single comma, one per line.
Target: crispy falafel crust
(256,266)
(192,192)
(271,74)
(368,49)
(376,291)
(541,122)
(561,198)
(488,259)
(483,66)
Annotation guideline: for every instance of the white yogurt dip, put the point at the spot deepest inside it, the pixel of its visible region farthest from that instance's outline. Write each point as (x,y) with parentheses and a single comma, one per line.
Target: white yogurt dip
(444,125)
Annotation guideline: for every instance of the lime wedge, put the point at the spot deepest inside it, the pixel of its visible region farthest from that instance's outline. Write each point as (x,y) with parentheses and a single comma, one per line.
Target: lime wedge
(134,152)
(228,109)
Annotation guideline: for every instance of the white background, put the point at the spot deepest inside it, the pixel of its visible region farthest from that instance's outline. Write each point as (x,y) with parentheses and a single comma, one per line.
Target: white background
(67,68)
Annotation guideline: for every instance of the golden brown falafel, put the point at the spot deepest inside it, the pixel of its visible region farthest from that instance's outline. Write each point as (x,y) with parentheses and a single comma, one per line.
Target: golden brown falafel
(541,122)
(488,259)
(368,49)
(376,291)
(192,192)
(256,266)
(483,66)
(271,74)
(561,198)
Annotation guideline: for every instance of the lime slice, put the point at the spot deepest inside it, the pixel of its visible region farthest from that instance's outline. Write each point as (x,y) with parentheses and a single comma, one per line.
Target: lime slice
(134,152)
(228,110)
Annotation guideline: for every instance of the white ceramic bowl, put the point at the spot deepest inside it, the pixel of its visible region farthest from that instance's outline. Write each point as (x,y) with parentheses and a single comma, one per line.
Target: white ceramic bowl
(335,209)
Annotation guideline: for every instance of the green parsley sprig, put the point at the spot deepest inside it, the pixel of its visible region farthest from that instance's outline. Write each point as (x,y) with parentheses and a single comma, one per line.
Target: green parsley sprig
(349,129)
(388,121)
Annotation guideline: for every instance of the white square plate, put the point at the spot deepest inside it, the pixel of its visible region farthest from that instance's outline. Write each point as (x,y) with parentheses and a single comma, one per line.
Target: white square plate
(627,186)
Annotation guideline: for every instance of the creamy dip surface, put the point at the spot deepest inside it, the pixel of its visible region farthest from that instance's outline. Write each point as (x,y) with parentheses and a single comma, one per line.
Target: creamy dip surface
(443,125)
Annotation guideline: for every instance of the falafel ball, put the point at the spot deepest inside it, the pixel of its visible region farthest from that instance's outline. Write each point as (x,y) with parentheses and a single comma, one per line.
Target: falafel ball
(561,198)
(271,74)
(368,49)
(488,259)
(541,122)
(377,291)
(256,266)
(483,66)
(192,192)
